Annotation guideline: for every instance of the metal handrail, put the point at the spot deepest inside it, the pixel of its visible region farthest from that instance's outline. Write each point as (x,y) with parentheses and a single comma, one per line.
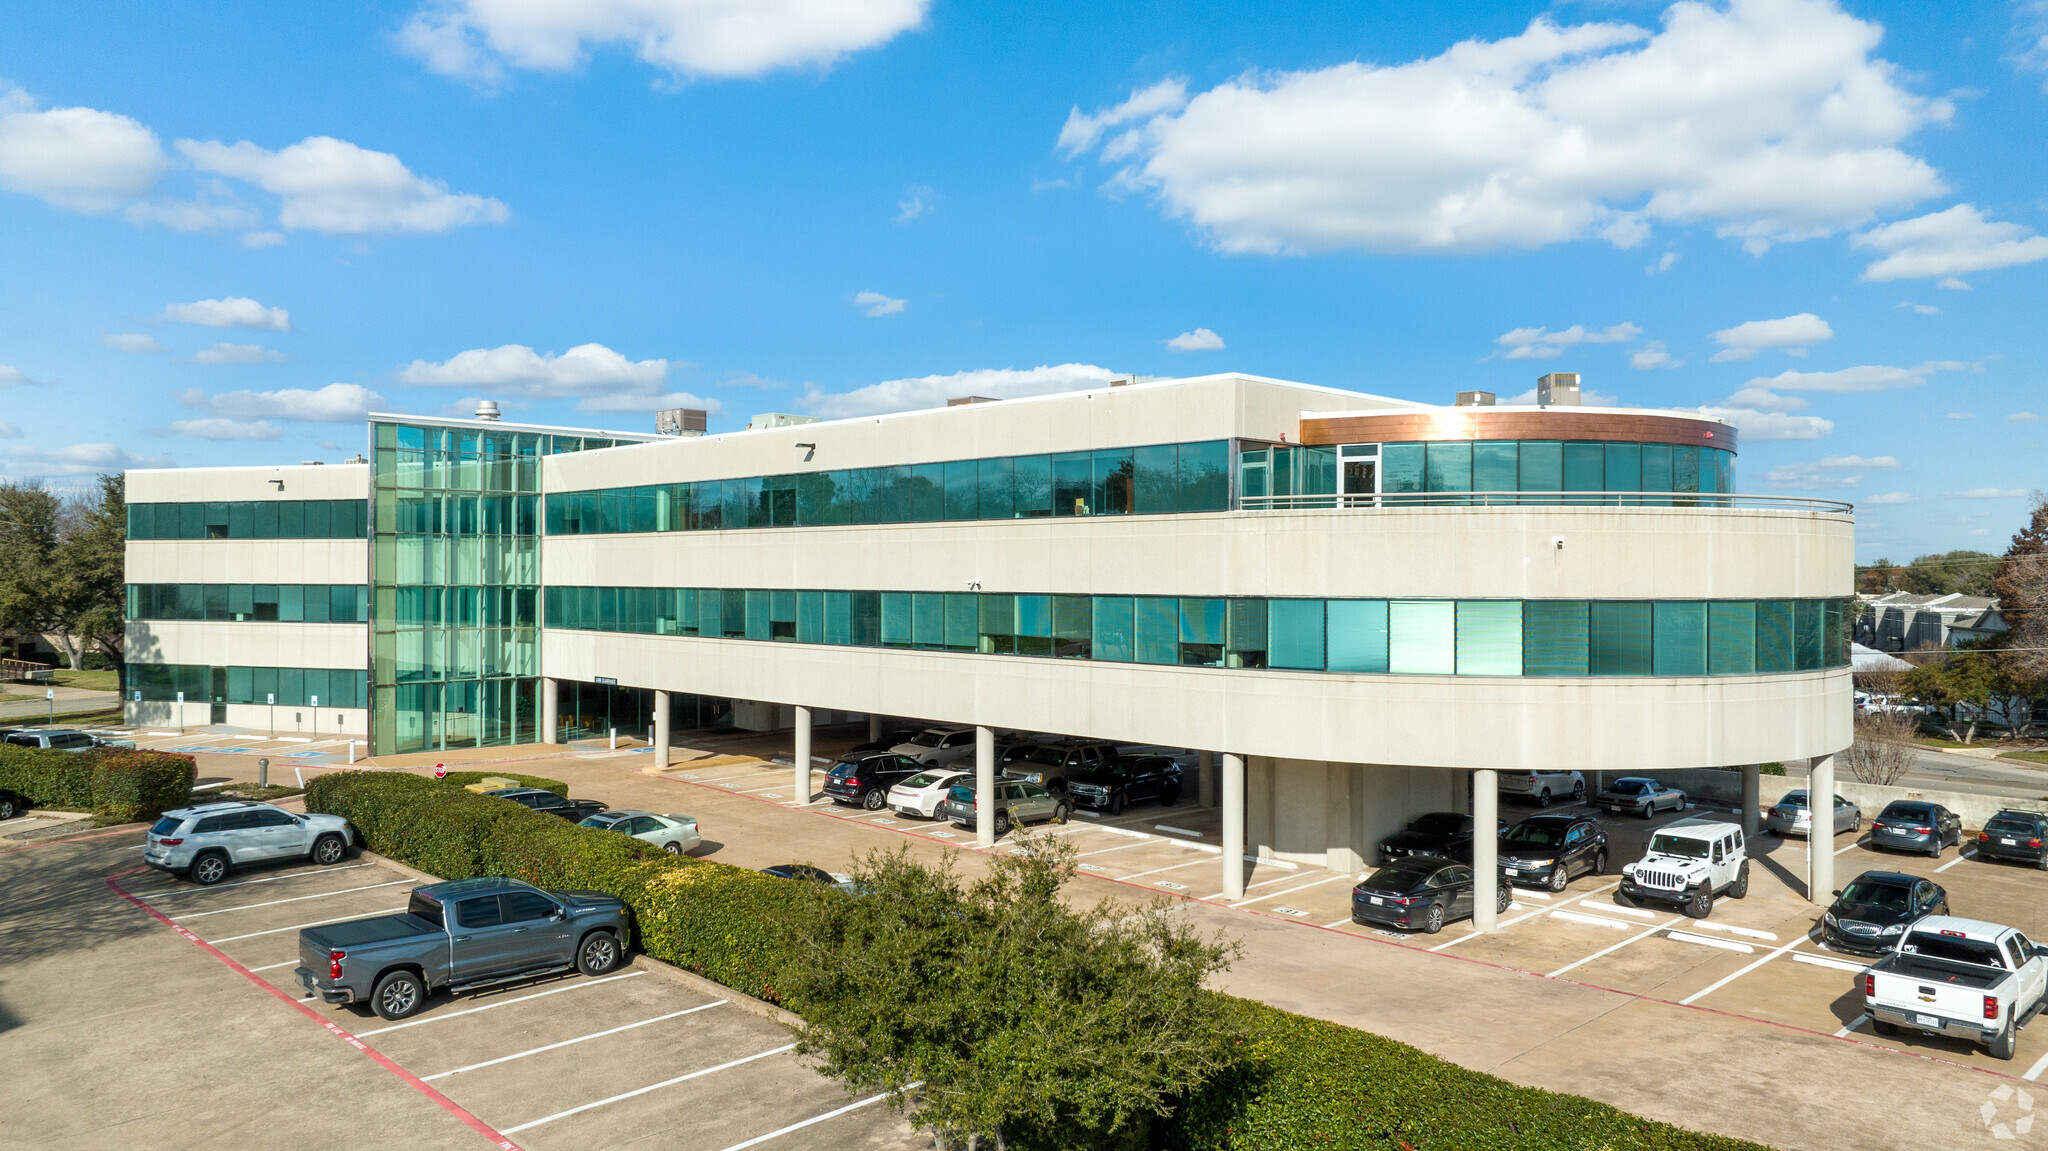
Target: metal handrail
(1544,499)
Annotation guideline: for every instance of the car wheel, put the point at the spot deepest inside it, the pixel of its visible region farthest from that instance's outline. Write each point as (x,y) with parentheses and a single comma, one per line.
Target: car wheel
(1600,862)
(1740,887)
(1558,878)
(1002,822)
(398,995)
(1701,904)
(1433,919)
(1059,813)
(1117,803)
(1169,797)
(599,953)
(2042,863)
(1543,798)
(672,847)
(1579,792)
(2006,1043)
(873,799)
(1885,1029)
(209,869)
(1502,898)
(6,809)
(1649,809)
(328,850)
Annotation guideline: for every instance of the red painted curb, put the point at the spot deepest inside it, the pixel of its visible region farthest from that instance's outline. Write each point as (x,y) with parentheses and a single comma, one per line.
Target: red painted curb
(383,1060)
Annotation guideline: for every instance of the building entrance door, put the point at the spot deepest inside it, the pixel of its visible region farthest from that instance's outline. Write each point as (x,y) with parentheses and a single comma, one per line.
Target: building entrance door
(1359,468)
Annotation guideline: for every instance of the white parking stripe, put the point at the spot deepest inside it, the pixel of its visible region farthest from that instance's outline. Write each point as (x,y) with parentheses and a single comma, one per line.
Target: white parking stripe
(298,926)
(1705,941)
(1863,842)
(1505,923)
(578,985)
(1595,920)
(2034,1072)
(1104,850)
(1292,890)
(1951,863)
(757,1140)
(1615,947)
(650,1087)
(181,889)
(275,966)
(293,899)
(1157,870)
(1823,961)
(1724,981)
(1263,883)
(578,1039)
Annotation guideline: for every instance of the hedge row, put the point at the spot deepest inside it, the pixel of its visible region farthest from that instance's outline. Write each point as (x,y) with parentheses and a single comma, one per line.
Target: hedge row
(1299,1082)
(726,923)
(465,778)
(118,785)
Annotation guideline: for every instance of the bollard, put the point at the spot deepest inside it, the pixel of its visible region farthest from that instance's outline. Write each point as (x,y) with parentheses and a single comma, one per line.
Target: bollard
(263,772)
(615,739)
(351,751)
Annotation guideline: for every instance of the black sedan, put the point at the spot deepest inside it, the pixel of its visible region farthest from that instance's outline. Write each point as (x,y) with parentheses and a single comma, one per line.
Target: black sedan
(1916,825)
(1444,833)
(2020,836)
(1425,891)
(11,803)
(866,779)
(1876,908)
(573,810)
(1550,850)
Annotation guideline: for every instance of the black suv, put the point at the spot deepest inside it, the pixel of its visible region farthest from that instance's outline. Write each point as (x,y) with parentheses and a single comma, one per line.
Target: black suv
(1051,766)
(1550,850)
(866,780)
(1444,833)
(573,810)
(1114,785)
(2021,836)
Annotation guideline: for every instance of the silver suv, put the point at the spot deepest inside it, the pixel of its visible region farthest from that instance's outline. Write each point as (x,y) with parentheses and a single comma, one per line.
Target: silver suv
(201,843)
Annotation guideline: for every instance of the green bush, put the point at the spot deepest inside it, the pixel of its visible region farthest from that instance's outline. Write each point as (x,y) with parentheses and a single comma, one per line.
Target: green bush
(118,785)
(465,778)
(1303,1082)
(727,923)
(129,785)
(1772,768)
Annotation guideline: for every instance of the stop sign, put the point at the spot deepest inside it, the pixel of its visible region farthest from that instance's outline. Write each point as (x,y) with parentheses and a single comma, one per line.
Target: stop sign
(440,771)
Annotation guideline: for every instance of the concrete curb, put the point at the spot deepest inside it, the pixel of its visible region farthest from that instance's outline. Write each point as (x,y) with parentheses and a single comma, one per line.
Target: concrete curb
(668,971)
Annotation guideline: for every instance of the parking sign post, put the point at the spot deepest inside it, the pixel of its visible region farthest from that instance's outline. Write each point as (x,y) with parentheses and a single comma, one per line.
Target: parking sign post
(51,695)
(181,713)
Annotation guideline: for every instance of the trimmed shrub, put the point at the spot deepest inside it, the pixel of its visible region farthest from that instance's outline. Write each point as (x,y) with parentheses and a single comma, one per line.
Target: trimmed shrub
(60,779)
(465,778)
(131,785)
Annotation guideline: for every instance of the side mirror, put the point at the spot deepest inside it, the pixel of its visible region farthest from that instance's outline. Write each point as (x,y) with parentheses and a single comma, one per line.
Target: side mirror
(1838,891)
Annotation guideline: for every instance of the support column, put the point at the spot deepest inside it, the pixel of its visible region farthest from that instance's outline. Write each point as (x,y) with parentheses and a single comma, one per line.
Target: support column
(1820,849)
(661,706)
(550,709)
(1205,778)
(874,728)
(1233,826)
(800,777)
(985,786)
(1752,798)
(1485,848)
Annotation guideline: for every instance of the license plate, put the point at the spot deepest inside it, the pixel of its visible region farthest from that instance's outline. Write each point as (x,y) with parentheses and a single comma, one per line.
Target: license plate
(1377,901)
(1927,1020)
(2006,842)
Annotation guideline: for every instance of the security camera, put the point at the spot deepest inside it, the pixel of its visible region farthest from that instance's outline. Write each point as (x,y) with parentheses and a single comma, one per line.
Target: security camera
(1557,542)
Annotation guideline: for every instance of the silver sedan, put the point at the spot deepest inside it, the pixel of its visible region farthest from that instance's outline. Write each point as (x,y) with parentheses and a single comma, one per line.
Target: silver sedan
(674,834)
(1792,816)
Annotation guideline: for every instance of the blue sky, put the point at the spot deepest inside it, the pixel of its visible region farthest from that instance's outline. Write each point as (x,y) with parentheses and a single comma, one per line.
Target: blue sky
(227,230)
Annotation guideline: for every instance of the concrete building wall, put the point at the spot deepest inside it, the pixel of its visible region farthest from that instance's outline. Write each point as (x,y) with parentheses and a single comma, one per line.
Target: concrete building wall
(300,482)
(249,643)
(1334,814)
(332,723)
(249,561)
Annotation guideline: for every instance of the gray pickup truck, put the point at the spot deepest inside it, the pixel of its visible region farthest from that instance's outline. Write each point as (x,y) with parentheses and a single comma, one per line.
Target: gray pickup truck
(461,935)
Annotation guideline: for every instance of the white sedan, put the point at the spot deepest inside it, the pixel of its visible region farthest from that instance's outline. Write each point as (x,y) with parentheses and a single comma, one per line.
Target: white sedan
(674,834)
(921,794)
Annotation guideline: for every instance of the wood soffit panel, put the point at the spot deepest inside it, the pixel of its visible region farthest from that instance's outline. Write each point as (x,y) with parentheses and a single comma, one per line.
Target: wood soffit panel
(1544,424)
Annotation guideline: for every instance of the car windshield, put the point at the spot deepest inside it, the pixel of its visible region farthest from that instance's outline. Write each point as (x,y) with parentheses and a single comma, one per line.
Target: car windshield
(1534,835)
(961,793)
(1881,896)
(842,770)
(1440,823)
(601,822)
(925,778)
(1052,756)
(166,825)
(927,738)
(1666,844)
(1914,812)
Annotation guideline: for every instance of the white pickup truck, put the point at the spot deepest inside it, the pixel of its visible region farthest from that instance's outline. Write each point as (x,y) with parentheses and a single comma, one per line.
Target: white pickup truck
(1963,978)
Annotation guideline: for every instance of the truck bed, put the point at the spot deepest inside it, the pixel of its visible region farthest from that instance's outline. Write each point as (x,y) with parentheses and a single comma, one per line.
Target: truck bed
(1944,972)
(362,932)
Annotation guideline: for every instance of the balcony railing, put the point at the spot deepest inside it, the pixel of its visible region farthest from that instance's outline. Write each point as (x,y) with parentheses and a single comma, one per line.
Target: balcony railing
(1544,499)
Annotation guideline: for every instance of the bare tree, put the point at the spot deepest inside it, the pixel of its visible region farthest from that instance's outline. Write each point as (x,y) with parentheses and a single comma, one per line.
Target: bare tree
(1882,752)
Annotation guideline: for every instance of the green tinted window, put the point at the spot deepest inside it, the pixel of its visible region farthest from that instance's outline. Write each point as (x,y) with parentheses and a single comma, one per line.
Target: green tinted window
(1114,629)
(1421,637)
(1449,466)
(1157,630)
(1620,634)
(1356,635)
(1294,630)
(1489,637)
(1556,638)
(1496,466)
(1731,637)
(1680,638)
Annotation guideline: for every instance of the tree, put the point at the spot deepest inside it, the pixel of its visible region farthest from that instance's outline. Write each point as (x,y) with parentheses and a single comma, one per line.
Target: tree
(1961,684)
(1020,1021)
(2021,585)
(1877,578)
(91,572)
(1883,750)
(29,525)
(1948,573)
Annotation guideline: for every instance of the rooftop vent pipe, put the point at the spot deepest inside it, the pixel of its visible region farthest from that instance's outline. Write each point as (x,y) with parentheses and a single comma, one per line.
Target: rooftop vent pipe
(487,410)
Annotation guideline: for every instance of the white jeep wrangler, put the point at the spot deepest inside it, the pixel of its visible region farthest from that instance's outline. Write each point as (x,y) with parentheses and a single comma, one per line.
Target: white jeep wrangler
(1688,864)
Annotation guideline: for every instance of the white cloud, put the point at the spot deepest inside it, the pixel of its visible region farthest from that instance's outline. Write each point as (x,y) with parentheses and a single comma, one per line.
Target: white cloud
(1765,400)
(933,391)
(199,214)
(237,354)
(335,403)
(1081,131)
(262,239)
(1761,425)
(1868,378)
(627,402)
(132,342)
(1947,244)
(1791,335)
(9,431)
(1988,494)
(217,428)
(330,185)
(1836,463)
(2022,418)
(10,376)
(1980,531)
(479,39)
(515,369)
(1890,498)
(1921,309)
(1960,416)
(1653,355)
(878,304)
(1199,340)
(232,312)
(1662,265)
(1543,344)
(2030,37)
(78,460)
(918,200)
(1955,285)
(1590,397)
(79,159)
(1769,119)
(1807,477)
